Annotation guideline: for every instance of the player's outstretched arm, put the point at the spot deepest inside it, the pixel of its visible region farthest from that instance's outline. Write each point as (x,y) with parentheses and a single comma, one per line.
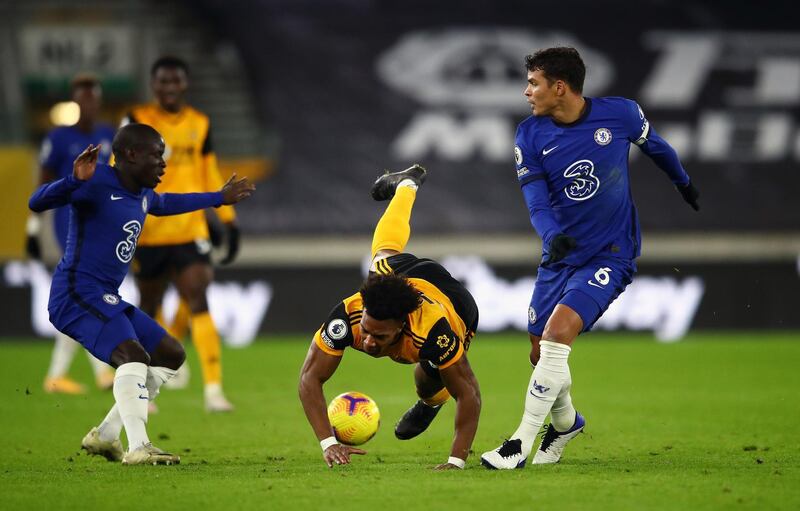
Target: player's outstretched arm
(317,369)
(177,203)
(461,383)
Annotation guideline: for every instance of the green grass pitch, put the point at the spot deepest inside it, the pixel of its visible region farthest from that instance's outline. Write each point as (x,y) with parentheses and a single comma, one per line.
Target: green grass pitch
(712,422)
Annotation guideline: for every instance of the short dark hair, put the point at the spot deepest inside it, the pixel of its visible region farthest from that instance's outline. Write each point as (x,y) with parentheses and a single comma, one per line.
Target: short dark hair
(170,62)
(559,63)
(389,297)
(132,136)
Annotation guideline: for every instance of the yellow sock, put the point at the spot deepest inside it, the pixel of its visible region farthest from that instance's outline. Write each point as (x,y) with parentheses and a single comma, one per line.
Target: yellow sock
(206,341)
(180,323)
(437,399)
(393,229)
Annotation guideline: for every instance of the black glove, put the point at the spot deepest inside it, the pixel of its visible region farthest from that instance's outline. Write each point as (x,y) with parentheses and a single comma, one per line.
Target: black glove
(690,195)
(233,236)
(560,246)
(32,248)
(216,232)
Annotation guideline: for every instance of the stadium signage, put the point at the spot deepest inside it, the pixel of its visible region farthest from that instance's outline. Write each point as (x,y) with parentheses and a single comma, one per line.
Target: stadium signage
(472,111)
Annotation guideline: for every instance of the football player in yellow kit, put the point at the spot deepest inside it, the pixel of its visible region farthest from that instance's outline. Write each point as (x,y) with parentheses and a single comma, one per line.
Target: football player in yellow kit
(177,249)
(410,310)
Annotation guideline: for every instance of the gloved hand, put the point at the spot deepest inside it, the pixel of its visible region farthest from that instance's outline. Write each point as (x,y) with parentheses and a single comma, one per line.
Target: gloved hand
(233,236)
(690,195)
(32,248)
(216,230)
(560,246)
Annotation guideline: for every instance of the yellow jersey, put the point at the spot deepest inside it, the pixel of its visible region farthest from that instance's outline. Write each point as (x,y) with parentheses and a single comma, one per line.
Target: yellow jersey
(191,167)
(438,332)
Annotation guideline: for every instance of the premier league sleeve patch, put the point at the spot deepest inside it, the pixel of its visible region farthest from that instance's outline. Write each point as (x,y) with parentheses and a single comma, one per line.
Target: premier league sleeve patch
(336,333)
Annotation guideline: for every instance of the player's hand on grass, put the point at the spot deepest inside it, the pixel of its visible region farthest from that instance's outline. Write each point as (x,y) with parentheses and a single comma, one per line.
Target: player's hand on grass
(85,164)
(560,246)
(690,194)
(340,454)
(233,236)
(236,190)
(446,466)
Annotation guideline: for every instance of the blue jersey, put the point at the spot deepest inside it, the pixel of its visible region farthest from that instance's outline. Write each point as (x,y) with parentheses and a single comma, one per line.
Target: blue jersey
(59,149)
(575,177)
(102,237)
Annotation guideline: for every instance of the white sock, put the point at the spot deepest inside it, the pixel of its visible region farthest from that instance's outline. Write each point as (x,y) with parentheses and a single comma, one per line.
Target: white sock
(409,183)
(111,426)
(156,377)
(131,395)
(563,414)
(549,377)
(63,351)
(98,366)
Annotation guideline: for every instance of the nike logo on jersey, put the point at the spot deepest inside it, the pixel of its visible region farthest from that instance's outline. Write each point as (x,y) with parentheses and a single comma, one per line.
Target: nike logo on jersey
(545,152)
(116,197)
(594,284)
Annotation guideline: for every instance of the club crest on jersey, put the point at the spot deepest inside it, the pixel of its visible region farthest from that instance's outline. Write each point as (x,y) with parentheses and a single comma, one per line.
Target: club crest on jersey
(602,136)
(518,155)
(144,204)
(531,315)
(111,299)
(337,329)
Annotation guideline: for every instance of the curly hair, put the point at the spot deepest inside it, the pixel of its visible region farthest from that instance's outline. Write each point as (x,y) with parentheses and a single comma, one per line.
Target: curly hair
(559,63)
(389,297)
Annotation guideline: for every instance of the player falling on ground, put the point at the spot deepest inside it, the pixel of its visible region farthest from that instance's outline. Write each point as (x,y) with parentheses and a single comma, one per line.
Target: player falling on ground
(108,206)
(572,165)
(59,149)
(410,310)
(177,249)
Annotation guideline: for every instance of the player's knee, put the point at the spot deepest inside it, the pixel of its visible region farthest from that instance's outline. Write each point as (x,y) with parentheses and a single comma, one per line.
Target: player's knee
(129,351)
(170,353)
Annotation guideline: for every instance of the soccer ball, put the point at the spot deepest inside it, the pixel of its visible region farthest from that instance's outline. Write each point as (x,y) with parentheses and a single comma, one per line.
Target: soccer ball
(355,417)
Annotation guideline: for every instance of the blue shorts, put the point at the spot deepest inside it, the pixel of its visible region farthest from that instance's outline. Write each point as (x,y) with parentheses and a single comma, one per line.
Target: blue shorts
(587,289)
(100,325)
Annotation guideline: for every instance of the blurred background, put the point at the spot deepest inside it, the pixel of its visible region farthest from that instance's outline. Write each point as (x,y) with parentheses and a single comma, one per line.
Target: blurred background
(314,98)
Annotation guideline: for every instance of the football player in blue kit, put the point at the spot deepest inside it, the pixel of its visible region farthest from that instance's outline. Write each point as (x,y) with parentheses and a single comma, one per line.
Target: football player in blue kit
(108,206)
(572,166)
(59,149)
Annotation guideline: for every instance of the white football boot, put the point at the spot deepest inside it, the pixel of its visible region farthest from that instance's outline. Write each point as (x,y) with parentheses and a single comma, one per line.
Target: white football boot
(92,444)
(148,454)
(216,402)
(506,457)
(553,442)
